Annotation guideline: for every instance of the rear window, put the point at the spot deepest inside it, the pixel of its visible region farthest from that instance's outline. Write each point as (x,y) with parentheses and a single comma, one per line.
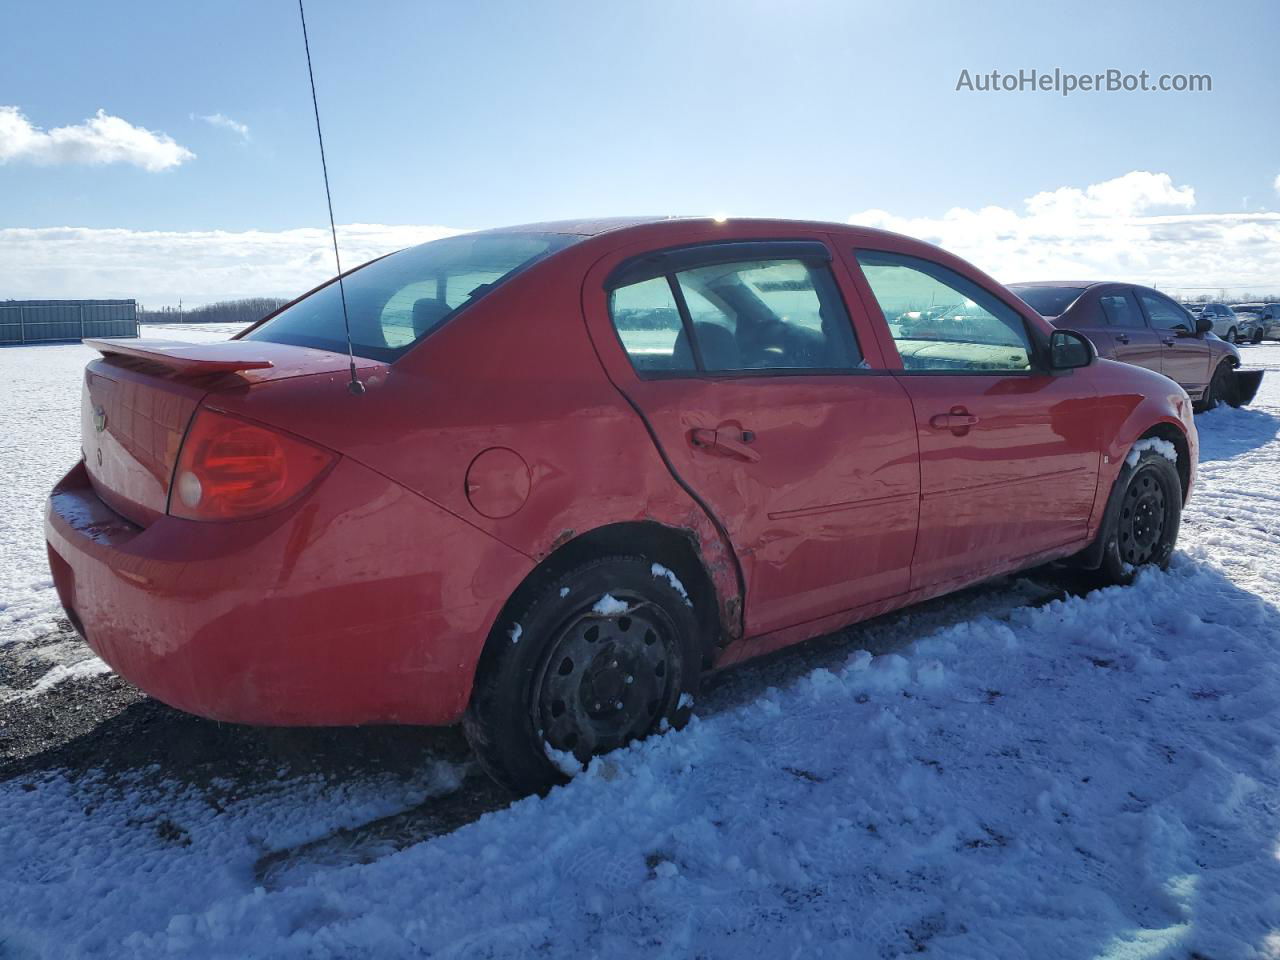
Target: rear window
(1048,301)
(396,301)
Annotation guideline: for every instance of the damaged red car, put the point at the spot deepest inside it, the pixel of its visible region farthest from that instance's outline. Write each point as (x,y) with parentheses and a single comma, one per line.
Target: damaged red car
(586,463)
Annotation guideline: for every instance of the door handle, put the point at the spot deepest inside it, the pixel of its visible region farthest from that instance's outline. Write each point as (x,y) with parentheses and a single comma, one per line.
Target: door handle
(1122,338)
(1170,341)
(721,440)
(958,421)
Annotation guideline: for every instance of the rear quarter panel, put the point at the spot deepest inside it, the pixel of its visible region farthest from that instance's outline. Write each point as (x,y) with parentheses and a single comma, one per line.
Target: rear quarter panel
(514,378)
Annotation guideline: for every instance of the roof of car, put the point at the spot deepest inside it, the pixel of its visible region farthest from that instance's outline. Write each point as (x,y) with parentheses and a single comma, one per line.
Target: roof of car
(599,225)
(584,228)
(1075,284)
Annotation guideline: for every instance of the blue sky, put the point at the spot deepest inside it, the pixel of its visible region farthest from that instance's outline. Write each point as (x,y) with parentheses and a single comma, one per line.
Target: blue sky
(471,115)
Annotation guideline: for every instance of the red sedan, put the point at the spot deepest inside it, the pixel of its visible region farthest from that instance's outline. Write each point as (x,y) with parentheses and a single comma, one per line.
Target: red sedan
(590,462)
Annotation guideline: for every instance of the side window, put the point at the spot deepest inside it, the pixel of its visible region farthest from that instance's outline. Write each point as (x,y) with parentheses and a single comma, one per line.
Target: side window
(1121,310)
(745,316)
(648,324)
(1164,313)
(941,321)
(768,315)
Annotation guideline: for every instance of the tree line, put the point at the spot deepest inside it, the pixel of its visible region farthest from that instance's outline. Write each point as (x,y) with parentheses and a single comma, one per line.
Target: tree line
(246,311)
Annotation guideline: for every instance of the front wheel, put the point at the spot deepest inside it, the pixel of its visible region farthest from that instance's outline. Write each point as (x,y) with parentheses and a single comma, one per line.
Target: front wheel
(1142,520)
(1257,335)
(1233,336)
(596,658)
(1221,387)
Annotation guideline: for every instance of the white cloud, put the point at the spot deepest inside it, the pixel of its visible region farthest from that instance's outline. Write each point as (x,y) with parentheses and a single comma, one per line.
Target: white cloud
(1112,230)
(159,267)
(226,123)
(100,139)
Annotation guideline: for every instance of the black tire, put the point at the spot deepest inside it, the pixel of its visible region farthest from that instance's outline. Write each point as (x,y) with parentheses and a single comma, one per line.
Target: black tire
(1221,387)
(581,681)
(1232,336)
(1257,335)
(1143,516)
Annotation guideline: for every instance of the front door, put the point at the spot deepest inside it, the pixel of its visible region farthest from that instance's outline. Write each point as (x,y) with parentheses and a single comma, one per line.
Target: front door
(1008,454)
(745,365)
(1185,356)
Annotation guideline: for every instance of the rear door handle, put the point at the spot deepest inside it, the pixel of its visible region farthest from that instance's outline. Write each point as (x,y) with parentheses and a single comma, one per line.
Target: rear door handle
(1122,338)
(722,440)
(1170,341)
(958,421)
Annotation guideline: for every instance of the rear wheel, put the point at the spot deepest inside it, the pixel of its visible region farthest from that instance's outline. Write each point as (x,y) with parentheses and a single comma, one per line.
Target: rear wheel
(1257,335)
(1143,518)
(603,655)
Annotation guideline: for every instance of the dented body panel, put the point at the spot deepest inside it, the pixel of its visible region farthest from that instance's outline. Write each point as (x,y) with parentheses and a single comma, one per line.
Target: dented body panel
(519,427)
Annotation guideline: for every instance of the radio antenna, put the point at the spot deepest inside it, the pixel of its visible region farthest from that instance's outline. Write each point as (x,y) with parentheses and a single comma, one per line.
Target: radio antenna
(355,386)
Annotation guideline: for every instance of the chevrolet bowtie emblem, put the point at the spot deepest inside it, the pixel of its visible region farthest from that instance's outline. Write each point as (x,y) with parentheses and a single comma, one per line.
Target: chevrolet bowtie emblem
(99,418)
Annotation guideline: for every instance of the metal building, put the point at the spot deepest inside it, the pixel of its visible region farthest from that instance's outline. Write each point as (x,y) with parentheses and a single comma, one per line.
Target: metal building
(50,321)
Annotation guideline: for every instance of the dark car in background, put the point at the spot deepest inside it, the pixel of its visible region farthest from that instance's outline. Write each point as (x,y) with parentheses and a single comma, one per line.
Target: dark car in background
(1142,326)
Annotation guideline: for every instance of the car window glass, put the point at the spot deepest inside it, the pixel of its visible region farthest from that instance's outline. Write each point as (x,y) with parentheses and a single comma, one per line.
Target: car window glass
(397,314)
(649,326)
(396,301)
(1121,310)
(941,321)
(1164,313)
(768,314)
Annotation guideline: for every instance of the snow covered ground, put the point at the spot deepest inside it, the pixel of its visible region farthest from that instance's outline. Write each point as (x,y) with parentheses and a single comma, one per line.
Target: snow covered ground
(1013,772)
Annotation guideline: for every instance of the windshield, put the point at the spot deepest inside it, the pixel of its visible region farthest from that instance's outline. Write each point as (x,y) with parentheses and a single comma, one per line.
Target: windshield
(1048,301)
(396,301)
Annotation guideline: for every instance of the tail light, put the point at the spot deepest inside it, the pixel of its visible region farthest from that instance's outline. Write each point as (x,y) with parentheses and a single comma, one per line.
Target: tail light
(230,469)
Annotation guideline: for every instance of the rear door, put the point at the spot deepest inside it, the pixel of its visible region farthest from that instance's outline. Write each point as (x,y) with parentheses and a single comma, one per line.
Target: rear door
(1185,355)
(742,359)
(1125,325)
(1008,452)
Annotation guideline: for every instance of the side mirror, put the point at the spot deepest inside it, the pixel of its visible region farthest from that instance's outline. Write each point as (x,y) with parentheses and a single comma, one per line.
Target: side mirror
(1203,325)
(1068,350)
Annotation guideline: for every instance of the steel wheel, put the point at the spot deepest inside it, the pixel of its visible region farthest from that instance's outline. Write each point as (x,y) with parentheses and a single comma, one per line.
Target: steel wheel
(607,679)
(1143,516)
(574,681)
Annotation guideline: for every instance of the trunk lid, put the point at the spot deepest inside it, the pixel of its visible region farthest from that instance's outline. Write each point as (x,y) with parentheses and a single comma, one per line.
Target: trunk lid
(140,395)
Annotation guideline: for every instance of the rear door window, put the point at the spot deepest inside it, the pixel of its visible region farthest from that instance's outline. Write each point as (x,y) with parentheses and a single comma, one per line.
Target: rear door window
(1121,310)
(735,316)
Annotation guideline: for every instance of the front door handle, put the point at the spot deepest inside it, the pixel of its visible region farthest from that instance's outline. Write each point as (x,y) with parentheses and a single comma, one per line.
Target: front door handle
(958,421)
(1122,338)
(1170,341)
(722,440)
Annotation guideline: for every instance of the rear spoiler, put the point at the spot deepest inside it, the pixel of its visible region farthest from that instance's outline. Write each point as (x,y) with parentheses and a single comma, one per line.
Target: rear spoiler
(189,359)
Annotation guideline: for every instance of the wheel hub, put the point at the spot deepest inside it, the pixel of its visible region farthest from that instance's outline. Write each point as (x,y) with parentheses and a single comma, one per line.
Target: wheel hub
(1143,517)
(606,679)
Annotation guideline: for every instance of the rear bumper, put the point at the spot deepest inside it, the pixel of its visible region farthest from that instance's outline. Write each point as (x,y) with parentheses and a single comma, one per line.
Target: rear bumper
(1245,387)
(362,603)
